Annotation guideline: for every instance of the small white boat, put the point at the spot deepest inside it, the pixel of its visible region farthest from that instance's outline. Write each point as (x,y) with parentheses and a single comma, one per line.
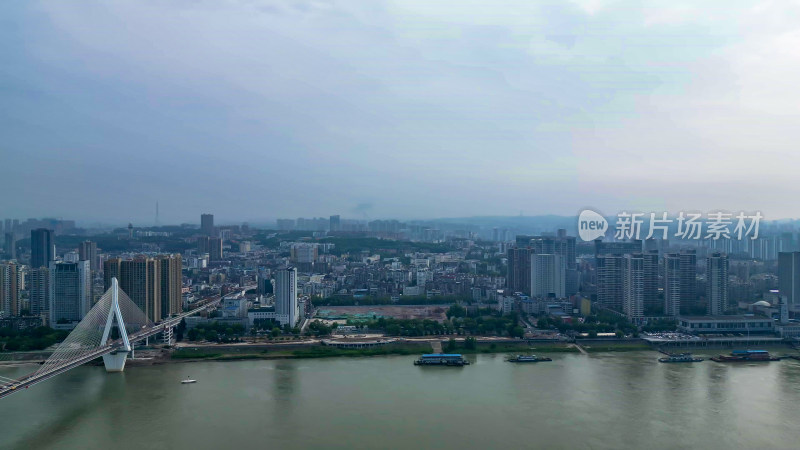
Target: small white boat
(188,381)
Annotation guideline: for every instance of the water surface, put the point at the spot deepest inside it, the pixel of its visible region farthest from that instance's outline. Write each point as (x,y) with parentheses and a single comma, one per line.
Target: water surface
(623,400)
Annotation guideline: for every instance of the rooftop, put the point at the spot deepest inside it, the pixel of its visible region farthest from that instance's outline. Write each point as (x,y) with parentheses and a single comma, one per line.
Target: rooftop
(741,317)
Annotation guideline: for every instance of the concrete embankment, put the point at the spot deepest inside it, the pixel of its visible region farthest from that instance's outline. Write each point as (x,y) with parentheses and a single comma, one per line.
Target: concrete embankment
(17,358)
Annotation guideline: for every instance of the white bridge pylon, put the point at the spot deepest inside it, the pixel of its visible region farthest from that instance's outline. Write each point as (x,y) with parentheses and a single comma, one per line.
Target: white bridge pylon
(115,362)
(93,333)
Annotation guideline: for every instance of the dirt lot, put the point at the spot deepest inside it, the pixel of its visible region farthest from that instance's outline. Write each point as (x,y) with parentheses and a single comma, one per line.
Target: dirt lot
(435,312)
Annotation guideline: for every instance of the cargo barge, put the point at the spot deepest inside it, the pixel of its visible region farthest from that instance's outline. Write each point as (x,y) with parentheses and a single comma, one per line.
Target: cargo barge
(527,359)
(746,356)
(679,358)
(441,359)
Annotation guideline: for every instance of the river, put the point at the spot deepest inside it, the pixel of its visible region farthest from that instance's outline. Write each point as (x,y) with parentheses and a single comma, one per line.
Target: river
(600,401)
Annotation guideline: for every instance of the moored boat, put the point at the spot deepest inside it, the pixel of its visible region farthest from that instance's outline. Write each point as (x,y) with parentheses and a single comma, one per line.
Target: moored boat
(441,359)
(527,359)
(746,356)
(679,358)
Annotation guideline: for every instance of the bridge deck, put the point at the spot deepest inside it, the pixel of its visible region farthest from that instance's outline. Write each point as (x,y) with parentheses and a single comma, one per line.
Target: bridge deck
(29,380)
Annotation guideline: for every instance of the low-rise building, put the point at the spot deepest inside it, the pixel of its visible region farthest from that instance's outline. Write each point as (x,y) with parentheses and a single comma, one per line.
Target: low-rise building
(234,307)
(266,313)
(725,324)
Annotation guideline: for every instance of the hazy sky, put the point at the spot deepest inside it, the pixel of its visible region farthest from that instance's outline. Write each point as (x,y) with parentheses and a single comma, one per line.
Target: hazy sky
(413,109)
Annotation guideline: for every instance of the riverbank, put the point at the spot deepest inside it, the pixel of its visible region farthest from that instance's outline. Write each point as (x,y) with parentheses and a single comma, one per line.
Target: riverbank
(598,347)
(209,353)
(314,349)
(229,353)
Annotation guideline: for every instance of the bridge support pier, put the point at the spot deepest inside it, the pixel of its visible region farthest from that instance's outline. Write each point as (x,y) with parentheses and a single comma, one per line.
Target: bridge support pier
(168,336)
(115,362)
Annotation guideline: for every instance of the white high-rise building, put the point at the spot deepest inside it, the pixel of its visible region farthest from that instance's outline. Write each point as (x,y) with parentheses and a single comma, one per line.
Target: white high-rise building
(548,274)
(633,286)
(286,306)
(717,283)
(70,293)
(609,281)
(672,285)
(680,282)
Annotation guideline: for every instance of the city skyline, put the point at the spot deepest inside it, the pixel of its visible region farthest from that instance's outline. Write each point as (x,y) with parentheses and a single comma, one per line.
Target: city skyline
(550,223)
(608,104)
(370,223)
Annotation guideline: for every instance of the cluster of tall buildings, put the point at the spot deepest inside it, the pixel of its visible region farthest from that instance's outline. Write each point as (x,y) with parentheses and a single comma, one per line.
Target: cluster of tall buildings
(59,291)
(500,235)
(543,266)
(19,228)
(379,228)
(628,280)
(62,291)
(313,224)
(152,283)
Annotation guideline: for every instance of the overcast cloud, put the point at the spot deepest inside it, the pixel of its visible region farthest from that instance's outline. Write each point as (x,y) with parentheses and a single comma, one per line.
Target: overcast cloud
(420,109)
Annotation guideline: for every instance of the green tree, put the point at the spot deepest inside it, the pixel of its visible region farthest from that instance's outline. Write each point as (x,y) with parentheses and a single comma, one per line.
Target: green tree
(180,330)
(393,329)
(456,310)
(470,343)
(211,335)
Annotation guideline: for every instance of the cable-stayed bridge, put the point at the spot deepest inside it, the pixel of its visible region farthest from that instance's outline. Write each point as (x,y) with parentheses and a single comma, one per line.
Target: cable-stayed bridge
(92,338)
